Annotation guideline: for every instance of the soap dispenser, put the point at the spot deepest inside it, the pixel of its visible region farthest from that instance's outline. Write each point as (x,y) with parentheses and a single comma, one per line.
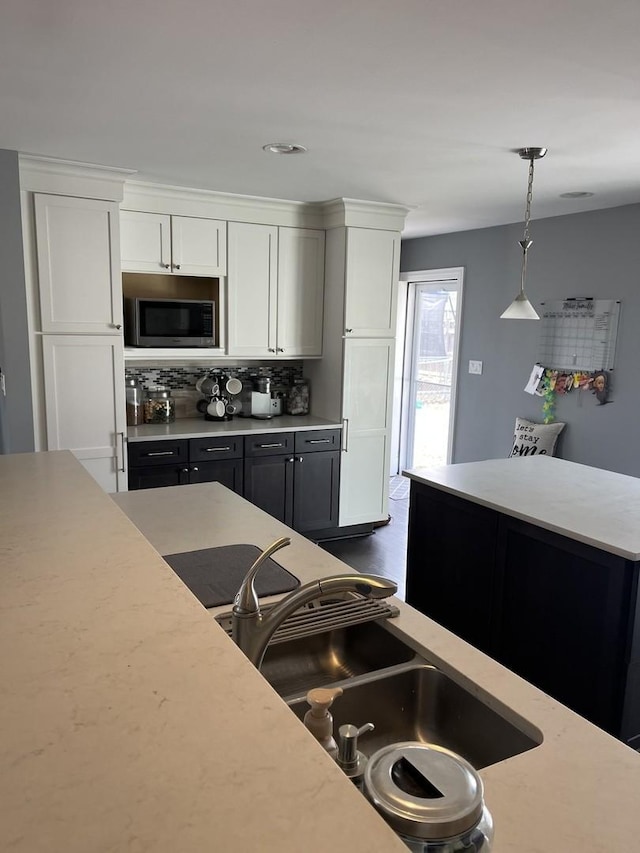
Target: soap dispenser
(318,719)
(349,758)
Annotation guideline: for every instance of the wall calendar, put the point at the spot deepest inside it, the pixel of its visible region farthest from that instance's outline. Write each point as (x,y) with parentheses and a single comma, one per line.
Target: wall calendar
(579,334)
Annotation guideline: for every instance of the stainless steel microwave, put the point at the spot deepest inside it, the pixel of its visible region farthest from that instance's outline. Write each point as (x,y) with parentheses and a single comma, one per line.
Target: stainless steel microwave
(169,322)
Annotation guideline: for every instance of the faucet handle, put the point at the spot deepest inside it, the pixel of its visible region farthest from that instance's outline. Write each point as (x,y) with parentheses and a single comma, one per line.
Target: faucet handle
(246,600)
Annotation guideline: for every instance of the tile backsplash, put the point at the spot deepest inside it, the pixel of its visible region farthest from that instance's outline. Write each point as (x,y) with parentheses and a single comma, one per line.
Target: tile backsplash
(182,379)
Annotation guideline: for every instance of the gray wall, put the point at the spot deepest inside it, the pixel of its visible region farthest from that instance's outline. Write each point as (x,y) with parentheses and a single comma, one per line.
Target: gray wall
(589,254)
(16,413)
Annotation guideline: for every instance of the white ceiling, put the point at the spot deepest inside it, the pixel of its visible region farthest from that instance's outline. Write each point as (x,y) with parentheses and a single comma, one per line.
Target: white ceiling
(419,102)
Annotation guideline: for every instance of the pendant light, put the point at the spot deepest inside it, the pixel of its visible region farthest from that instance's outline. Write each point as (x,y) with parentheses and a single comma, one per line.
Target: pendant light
(521,308)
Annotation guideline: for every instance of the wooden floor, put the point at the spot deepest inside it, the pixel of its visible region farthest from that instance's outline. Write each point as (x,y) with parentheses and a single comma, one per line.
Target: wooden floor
(385,551)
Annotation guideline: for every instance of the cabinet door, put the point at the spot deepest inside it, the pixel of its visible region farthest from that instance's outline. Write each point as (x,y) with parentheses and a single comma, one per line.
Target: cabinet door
(198,246)
(145,241)
(451,563)
(316,490)
(371,284)
(157,476)
(366,406)
(252,283)
(268,483)
(84,403)
(77,244)
(300,291)
(226,471)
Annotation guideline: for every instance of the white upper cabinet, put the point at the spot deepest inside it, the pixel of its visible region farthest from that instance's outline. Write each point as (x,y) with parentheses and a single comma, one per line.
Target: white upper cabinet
(300,291)
(372,272)
(253,271)
(183,245)
(78,256)
(275,290)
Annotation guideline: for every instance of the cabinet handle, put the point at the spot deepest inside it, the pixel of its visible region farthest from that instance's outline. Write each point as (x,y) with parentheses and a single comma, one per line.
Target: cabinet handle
(116,326)
(176,266)
(165,266)
(123,469)
(185,470)
(300,459)
(319,441)
(160,453)
(291,460)
(270,349)
(270,445)
(348,331)
(215,449)
(195,468)
(279,349)
(345,435)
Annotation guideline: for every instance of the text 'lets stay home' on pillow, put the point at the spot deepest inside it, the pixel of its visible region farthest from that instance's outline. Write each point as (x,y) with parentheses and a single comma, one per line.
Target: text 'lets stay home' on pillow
(532,439)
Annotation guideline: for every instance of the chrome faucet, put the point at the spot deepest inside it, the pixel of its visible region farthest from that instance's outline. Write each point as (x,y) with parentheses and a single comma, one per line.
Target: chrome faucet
(252,631)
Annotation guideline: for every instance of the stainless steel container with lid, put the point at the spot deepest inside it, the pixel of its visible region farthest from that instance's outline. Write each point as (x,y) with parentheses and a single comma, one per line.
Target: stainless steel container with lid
(159,408)
(431,797)
(134,395)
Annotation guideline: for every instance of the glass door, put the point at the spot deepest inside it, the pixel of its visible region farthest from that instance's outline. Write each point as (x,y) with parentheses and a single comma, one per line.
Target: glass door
(431,347)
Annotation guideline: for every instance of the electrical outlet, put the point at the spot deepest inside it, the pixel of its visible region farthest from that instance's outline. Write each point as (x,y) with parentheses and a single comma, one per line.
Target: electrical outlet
(475,367)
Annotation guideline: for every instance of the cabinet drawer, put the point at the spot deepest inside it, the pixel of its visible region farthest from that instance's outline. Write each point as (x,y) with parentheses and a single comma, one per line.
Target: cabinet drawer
(269,444)
(158,452)
(212,449)
(311,441)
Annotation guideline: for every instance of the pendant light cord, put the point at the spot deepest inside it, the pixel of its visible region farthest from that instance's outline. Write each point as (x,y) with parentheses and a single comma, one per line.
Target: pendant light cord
(527,212)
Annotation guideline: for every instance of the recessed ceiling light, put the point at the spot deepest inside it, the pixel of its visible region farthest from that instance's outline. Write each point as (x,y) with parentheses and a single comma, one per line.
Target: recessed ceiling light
(284,148)
(577,194)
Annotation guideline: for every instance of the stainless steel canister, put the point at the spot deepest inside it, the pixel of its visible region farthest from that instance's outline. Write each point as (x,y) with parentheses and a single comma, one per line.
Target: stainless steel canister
(431,797)
(134,395)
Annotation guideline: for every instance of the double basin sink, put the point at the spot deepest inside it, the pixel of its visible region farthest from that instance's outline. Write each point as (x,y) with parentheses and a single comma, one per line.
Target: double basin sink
(385,682)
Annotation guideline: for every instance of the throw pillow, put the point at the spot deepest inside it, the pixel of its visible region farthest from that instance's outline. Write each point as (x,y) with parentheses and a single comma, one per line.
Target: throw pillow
(530,439)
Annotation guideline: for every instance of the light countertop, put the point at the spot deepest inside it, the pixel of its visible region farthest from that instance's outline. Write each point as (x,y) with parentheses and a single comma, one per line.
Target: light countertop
(130,721)
(199,428)
(597,507)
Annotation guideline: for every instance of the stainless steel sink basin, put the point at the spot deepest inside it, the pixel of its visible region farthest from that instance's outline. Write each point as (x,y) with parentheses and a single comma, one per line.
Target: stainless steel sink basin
(295,666)
(419,702)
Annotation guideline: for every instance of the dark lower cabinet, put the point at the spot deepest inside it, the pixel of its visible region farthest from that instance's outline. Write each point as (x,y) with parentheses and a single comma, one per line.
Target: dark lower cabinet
(268,483)
(293,476)
(153,464)
(229,472)
(559,613)
(299,489)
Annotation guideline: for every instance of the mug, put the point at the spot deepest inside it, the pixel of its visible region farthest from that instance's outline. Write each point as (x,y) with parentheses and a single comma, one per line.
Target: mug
(216,409)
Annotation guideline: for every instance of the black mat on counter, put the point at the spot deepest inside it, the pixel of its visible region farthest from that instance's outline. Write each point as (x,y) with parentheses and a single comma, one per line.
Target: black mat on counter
(214,575)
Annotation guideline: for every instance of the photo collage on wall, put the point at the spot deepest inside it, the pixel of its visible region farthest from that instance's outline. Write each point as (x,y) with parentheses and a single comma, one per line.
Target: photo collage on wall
(549,383)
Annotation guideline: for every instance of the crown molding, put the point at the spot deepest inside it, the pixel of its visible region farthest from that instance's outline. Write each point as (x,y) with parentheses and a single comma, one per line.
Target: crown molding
(184,201)
(340,212)
(70,177)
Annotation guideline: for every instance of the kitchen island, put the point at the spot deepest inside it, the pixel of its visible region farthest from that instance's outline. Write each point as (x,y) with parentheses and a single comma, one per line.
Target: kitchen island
(130,721)
(535,561)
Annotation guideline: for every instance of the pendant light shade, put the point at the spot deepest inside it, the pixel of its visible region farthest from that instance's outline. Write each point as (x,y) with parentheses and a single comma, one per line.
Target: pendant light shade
(521,308)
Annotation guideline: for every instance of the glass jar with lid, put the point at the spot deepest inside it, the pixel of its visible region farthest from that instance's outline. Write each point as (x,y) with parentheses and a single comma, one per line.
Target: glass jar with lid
(159,407)
(298,398)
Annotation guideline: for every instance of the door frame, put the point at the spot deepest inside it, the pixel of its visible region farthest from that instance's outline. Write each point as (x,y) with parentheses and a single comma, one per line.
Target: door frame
(445,276)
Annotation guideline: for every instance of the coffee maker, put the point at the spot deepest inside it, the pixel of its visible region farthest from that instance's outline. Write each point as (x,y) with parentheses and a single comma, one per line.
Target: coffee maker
(261,398)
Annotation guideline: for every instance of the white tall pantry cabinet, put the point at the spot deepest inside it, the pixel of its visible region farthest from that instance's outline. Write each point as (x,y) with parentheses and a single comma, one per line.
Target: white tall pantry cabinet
(354,380)
(73,262)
